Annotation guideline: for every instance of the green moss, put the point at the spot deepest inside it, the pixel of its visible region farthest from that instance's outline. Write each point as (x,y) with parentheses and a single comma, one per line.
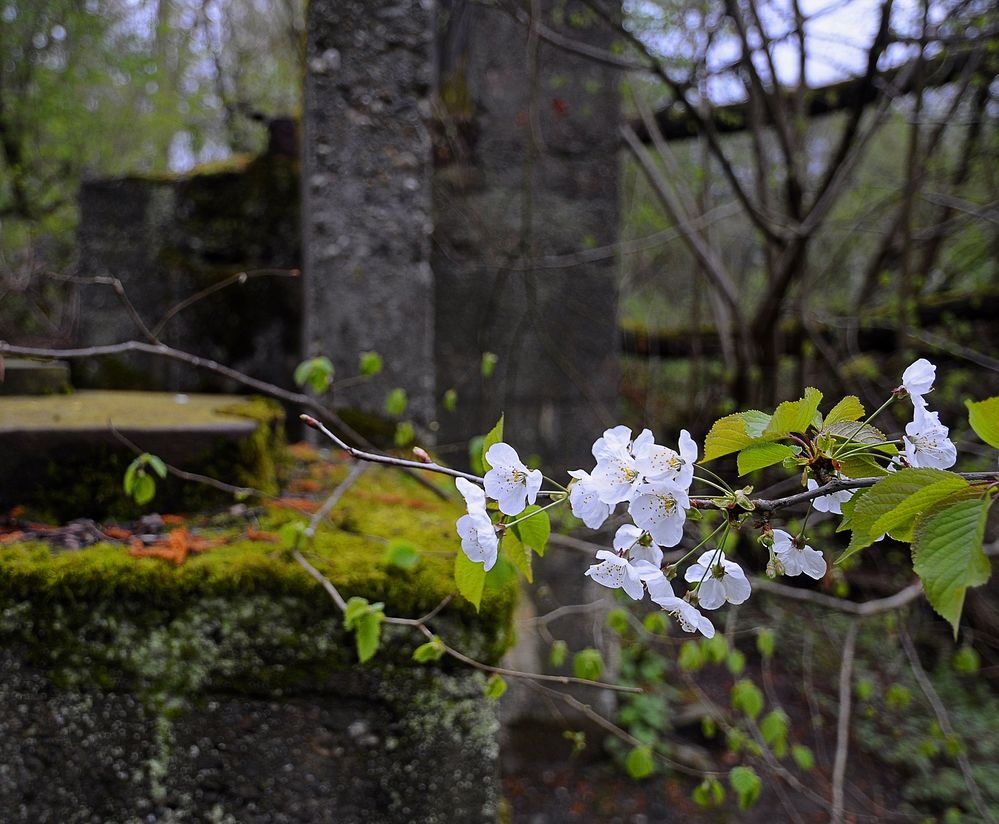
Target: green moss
(244,615)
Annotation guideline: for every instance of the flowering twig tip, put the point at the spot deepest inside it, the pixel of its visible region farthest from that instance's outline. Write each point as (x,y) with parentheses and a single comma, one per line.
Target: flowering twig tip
(309,421)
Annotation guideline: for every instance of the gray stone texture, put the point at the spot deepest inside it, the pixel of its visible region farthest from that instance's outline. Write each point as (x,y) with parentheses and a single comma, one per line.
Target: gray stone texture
(367,194)
(526,169)
(168,239)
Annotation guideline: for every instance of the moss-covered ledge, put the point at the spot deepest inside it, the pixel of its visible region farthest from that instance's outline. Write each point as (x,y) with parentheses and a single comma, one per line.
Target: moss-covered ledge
(239,656)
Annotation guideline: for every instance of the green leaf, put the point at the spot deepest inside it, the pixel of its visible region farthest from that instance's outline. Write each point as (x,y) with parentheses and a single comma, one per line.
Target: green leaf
(156,464)
(639,762)
(709,793)
(144,489)
(493,436)
(404,434)
(773,728)
(518,554)
(691,656)
(402,554)
(535,530)
(370,363)
(316,372)
(617,620)
(365,620)
(489,361)
(475,459)
(765,643)
(747,698)
(433,650)
(450,400)
(848,409)
(559,653)
(469,577)
(860,433)
(794,416)
(735,662)
(730,434)
(885,496)
(495,687)
(803,757)
(756,422)
(130,475)
(862,466)
(984,419)
(746,784)
(947,555)
(899,522)
(761,455)
(588,663)
(396,402)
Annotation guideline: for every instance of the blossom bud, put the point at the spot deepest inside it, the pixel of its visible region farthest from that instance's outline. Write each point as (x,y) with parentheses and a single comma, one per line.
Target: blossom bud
(422,455)
(775,568)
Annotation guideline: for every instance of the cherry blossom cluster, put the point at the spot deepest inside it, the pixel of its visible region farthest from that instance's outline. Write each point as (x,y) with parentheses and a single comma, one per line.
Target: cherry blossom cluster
(652,482)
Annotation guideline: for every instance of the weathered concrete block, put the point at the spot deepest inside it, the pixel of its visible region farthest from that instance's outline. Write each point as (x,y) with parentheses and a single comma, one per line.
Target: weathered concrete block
(227,689)
(63,461)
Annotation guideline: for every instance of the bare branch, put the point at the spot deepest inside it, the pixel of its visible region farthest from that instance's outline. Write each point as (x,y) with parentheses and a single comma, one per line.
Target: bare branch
(843,723)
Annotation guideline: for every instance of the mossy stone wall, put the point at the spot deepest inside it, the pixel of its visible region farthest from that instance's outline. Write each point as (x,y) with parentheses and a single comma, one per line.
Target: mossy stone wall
(227,689)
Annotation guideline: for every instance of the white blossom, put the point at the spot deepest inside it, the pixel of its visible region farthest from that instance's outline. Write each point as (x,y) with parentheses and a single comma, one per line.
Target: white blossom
(639,545)
(511,484)
(660,462)
(917,380)
(584,498)
(833,502)
(618,436)
(616,474)
(660,508)
(686,614)
(926,441)
(720,580)
(616,572)
(797,559)
(478,537)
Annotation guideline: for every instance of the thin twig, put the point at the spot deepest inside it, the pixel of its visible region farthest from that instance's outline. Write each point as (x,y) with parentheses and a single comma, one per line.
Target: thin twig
(940,710)
(843,723)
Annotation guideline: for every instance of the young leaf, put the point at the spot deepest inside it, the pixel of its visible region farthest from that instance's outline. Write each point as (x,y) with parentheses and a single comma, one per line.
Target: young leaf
(396,402)
(639,762)
(370,363)
(469,577)
(746,784)
(404,434)
(984,419)
(519,555)
(899,521)
(495,687)
(862,433)
(559,652)
(732,434)
(130,475)
(709,793)
(489,361)
(773,728)
(535,530)
(862,466)
(402,554)
(366,621)
(316,372)
(885,496)
(947,555)
(761,455)
(450,400)
(747,698)
(848,409)
(588,663)
(156,464)
(493,436)
(144,489)
(433,650)
(803,757)
(794,416)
